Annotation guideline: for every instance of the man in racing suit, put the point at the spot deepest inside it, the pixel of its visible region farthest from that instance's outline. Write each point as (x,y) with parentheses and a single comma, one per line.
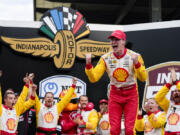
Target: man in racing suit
(153,122)
(47,114)
(10,111)
(123,67)
(171,107)
(88,117)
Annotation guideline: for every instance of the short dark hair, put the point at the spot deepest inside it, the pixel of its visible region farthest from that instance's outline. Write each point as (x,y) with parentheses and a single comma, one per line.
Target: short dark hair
(83,96)
(8,93)
(48,93)
(10,90)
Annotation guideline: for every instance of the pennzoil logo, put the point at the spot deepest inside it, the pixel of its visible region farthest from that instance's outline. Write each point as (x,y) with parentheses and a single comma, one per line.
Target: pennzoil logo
(158,76)
(65,27)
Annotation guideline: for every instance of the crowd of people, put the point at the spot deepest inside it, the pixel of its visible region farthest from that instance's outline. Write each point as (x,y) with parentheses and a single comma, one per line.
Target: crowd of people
(24,114)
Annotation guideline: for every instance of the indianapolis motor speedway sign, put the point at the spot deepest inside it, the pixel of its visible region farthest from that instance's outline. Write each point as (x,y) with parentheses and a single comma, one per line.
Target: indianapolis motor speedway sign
(65,29)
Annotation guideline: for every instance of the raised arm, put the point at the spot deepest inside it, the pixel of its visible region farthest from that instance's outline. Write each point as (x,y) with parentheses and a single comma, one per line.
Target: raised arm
(160,97)
(94,74)
(139,67)
(66,99)
(22,106)
(28,79)
(157,122)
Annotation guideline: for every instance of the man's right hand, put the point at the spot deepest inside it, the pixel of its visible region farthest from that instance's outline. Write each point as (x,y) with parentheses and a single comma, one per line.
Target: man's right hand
(31,77)
(88,58)
(34,87)
(26,79)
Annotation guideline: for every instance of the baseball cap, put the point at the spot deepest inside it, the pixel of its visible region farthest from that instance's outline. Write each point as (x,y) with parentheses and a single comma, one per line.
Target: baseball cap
(103,101)
(118,34)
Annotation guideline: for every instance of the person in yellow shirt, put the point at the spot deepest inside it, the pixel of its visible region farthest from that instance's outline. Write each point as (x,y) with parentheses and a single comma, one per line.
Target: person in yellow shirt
(123,66)
(88,117)
(10,111)
(170,106)
(153,122)
(47,114)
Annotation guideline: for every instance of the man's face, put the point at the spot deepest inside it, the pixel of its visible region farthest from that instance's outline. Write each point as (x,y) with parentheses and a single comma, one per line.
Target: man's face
(118,46)
(49,99)
(83,102)
(153,106)
(103,106)
(10,100)
(176,96)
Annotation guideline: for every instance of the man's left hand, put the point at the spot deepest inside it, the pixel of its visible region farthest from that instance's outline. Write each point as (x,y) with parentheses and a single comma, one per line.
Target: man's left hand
(34,87)
(135,59)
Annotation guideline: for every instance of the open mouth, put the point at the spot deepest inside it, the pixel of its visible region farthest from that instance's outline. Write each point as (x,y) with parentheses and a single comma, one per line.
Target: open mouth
(150,108)
(176,96)
(114,46)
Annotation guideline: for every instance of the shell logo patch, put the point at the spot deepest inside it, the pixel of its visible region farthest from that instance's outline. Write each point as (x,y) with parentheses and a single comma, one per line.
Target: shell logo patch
(173,119)
(65,28)
(148,127)
(104,125)
(120,74)
(11,124)
(48,117)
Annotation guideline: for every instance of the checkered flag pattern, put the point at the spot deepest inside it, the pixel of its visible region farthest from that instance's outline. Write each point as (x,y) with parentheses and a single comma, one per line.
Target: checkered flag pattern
(64,18)
(69,18)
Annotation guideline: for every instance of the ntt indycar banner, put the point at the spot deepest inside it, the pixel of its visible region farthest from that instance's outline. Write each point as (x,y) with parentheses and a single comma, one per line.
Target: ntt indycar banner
(159,75)
(58,83)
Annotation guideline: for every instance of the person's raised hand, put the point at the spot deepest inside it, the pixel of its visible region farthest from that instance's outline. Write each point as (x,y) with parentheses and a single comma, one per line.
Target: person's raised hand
(134,59)
(26,79)
(34,87)
(74,81)
(173,76)
(31,77)
(88,58)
